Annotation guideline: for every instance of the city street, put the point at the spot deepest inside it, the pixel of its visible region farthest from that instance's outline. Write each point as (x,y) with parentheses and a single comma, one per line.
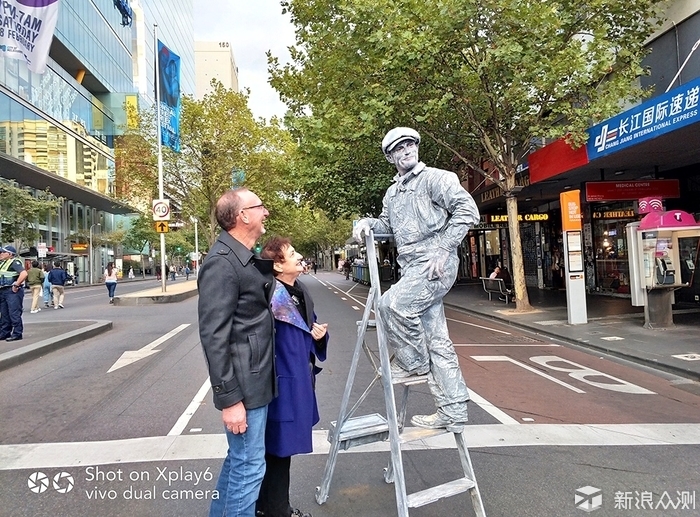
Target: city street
(122,424)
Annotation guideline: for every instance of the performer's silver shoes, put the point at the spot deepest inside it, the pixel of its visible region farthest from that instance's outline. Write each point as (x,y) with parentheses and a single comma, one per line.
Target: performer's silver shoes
(399,373)
(436,421)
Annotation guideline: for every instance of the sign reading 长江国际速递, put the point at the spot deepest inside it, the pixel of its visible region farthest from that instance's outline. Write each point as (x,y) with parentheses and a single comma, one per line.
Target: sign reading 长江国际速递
(662,114)
(26,30)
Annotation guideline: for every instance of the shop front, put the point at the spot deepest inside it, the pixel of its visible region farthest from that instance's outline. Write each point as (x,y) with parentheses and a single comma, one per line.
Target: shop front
(538,235)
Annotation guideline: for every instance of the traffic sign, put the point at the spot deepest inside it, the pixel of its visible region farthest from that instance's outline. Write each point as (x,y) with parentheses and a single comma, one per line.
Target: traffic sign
(41,249)
(162,227)
(161,210)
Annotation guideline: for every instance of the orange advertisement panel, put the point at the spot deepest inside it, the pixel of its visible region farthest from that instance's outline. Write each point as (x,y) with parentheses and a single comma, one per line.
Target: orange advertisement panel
(570,210)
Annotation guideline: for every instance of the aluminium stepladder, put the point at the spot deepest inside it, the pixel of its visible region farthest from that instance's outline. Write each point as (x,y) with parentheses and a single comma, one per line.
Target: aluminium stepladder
(349,431)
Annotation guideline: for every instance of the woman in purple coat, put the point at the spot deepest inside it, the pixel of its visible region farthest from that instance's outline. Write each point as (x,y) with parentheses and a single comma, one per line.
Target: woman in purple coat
(299,341)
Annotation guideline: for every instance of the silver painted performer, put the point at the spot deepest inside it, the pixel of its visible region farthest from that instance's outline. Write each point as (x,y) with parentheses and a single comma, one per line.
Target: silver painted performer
(429,213)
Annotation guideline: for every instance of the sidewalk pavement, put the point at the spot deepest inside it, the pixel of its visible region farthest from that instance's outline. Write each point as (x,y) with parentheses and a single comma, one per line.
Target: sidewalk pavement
(614,325)
(40,338)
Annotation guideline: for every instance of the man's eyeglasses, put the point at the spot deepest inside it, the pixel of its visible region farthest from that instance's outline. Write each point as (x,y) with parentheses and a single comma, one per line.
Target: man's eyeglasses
(261,205)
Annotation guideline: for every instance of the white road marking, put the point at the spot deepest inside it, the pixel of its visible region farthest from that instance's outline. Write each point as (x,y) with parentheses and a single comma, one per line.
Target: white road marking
(196,430)
(131,356)
(582,373)
(498,345)
(505,358)
(492,410)
(191,409)
(79,455)
(479,326)
(356,308)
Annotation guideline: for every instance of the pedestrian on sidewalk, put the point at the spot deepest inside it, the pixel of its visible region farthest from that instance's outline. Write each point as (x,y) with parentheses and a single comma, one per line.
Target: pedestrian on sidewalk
(47,286)
(110,276)
(35,281)
(299,341)
(236,332)
(131,272)
(57,279)
(187,272)
(12,277)
(429,213)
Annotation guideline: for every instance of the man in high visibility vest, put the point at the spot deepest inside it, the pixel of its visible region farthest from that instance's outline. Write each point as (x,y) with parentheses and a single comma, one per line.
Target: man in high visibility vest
(12,277)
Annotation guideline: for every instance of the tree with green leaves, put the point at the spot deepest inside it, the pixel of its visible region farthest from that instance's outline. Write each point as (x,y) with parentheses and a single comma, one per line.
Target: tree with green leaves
(222,146)
(479,80)
(21,211)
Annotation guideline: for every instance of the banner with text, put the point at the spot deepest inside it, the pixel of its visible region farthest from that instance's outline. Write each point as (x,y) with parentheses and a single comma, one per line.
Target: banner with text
(168,66)
(26,30)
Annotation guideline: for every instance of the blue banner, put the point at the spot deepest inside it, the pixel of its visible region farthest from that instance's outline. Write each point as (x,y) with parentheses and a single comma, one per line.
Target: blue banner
(169,94)
(657,116)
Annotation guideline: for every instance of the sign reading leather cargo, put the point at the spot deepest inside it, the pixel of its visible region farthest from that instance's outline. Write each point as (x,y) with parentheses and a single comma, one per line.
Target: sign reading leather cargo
(625,190)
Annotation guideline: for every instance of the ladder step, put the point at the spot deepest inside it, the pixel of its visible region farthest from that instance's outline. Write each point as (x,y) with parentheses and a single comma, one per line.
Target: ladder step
(413,434)
(360,430)
(430,495)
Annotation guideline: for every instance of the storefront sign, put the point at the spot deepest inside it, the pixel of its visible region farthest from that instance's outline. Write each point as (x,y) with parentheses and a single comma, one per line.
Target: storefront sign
(657,116)
(570,210)
(624,190)
(614,214)
(521,217)
(78,247)
(494,193)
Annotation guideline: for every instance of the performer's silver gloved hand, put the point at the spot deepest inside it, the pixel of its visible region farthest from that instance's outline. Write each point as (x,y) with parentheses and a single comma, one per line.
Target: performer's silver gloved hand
(436,264)
(361,229)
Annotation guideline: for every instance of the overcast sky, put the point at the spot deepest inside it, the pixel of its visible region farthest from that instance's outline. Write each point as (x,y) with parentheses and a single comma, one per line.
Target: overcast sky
(252,27)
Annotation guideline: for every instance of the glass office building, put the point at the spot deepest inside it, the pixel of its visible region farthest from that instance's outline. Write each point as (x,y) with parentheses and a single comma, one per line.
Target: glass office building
(57,129)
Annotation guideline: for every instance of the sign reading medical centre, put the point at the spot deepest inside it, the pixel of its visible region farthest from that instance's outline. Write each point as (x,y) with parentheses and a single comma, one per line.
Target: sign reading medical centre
(657,116)
(26,30)
(631,190)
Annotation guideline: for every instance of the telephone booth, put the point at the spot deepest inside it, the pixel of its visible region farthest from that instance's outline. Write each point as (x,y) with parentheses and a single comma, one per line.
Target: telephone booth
(655,263)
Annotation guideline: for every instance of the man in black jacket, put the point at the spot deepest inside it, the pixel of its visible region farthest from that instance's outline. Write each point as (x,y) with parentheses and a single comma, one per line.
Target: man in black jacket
(236,331)
(57,279)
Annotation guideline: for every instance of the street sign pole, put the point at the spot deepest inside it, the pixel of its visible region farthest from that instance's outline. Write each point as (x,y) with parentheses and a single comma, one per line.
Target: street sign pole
(160,155)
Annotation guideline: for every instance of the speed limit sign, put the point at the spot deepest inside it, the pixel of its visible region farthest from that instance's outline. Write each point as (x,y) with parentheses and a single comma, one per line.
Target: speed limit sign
(161,210)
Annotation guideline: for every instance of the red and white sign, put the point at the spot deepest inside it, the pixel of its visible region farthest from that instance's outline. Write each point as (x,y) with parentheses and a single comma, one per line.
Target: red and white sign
(161,210)
(626,190)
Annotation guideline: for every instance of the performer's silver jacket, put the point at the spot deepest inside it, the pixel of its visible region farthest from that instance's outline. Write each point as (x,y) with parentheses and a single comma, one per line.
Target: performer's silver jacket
(426,209)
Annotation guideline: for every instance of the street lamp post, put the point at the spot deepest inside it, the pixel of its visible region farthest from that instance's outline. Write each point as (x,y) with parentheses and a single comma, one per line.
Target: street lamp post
(90,258)
(196,248)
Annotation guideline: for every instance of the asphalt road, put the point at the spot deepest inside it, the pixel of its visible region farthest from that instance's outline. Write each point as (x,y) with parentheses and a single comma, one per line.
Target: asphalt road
(88,431)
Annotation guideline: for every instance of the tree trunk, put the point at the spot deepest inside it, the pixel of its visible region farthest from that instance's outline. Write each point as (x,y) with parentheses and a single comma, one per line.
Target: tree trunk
(522,300)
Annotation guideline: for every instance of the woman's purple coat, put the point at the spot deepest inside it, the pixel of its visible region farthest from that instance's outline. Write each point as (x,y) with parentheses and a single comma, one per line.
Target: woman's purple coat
(294,412)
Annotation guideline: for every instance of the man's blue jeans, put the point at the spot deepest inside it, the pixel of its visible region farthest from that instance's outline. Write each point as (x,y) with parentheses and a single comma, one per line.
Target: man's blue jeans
(243,470)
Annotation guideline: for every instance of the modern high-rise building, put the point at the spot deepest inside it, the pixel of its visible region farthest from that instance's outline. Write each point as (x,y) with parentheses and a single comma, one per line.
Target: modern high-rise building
(214,60)
(57,129)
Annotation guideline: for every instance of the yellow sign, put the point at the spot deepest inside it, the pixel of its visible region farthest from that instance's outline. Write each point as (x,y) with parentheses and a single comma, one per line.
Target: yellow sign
(162,227)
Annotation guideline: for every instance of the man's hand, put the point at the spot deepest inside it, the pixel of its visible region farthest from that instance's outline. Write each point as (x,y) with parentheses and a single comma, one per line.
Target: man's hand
(361,228)
(234,418)
(436,264)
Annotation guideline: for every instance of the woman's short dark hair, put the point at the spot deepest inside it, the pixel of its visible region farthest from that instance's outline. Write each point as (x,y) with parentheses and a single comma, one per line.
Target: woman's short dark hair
(274,249)
(228,207)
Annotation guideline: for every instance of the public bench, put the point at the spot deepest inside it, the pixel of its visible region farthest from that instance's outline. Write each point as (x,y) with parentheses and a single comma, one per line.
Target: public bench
(496,285)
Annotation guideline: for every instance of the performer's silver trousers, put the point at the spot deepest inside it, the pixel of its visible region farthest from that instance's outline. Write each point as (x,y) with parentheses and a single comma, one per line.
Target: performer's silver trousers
(413,319)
